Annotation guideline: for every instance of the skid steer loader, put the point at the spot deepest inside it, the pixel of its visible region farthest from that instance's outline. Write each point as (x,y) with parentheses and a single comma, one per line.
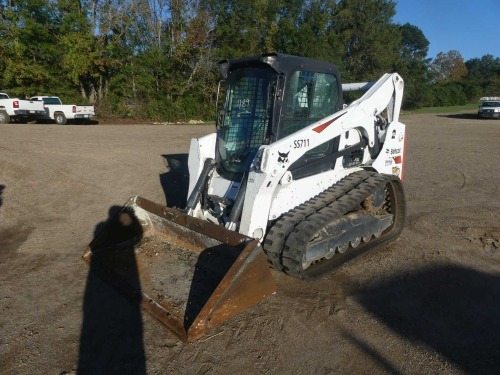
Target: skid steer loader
(292,179)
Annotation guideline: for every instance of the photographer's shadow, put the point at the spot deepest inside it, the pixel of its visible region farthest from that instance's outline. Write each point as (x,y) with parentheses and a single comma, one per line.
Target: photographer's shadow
(111,340)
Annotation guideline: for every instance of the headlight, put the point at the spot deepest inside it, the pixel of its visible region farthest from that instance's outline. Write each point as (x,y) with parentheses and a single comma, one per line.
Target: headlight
(497,109)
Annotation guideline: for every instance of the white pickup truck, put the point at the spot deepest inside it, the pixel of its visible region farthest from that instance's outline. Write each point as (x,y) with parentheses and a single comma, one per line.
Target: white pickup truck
(19,110)
(490,107)
(61,113)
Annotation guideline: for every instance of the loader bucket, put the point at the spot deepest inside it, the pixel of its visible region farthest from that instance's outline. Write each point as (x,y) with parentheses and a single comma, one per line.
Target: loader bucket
(190,274)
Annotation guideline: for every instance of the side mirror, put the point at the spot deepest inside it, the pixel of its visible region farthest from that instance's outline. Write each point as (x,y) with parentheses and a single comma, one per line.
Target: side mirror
(219,119)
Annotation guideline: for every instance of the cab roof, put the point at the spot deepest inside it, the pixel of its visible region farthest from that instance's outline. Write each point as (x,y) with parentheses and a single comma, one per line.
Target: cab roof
(279,62)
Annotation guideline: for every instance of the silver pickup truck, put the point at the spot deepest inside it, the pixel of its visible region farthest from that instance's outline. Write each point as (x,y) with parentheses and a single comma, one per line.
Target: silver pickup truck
(19,109)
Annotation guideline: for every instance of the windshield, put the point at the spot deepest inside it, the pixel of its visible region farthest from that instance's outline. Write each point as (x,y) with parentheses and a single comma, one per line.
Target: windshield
(4,96)
(310,97)
(248,107)
(491,104)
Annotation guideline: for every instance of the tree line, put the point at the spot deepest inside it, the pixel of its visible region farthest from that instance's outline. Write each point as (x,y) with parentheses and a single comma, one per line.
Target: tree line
(157,59)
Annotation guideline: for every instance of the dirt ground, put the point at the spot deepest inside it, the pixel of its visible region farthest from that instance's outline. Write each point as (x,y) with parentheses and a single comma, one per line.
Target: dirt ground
(427,303)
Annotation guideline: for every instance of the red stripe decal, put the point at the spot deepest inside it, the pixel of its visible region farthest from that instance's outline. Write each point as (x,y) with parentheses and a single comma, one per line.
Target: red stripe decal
(320,128)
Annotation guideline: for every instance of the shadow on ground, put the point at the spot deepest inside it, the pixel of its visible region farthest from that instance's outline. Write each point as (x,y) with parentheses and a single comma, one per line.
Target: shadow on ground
(70,122)
(463,116)
(111,340)
(175,182)
(453,310)
(85,122)
(211,267)
(2,187)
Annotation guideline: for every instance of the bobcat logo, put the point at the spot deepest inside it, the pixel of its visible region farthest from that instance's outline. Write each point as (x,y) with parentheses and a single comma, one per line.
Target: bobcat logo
(283,157)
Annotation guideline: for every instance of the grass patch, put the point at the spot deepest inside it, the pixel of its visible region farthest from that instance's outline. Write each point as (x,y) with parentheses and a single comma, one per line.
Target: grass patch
(451,109)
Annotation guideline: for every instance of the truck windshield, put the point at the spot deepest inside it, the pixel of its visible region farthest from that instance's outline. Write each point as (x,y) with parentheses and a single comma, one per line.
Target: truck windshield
(248,108)
(4,96)
(491,104)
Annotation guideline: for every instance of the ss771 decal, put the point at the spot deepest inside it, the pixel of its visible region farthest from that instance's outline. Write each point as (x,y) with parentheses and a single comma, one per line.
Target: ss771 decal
(299,143)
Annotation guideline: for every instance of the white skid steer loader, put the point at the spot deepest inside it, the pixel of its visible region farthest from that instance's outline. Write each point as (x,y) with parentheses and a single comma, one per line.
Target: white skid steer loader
(292,179)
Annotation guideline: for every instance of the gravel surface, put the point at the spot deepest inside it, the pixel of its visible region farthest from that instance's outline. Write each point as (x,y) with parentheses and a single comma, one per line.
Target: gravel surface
(427,303)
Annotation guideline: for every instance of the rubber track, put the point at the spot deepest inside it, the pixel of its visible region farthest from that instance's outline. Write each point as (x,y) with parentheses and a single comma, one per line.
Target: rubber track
(288,238)
(281,229)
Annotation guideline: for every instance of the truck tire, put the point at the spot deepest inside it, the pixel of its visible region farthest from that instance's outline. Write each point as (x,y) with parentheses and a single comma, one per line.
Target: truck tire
(60,119)
(4,117)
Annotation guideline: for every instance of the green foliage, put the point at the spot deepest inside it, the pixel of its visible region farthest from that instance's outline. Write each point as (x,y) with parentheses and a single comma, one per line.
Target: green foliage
(483,77)
(448,67)
(370,40)
(78,55)
(449,95)
(414,44)
(413,66)
(158,59)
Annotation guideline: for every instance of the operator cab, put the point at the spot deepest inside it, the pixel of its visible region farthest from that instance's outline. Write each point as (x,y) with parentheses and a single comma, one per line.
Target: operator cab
(269,97)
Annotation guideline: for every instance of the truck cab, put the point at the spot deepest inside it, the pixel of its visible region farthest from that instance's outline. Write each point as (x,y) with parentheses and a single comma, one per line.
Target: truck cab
(489,107)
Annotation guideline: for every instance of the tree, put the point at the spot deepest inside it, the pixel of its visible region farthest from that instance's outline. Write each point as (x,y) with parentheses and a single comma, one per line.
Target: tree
(413,66)
(158,58)
(448,67)
(243,27)
(414,44)
(317,36)
(483,78)
(29,52)
(369,38)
